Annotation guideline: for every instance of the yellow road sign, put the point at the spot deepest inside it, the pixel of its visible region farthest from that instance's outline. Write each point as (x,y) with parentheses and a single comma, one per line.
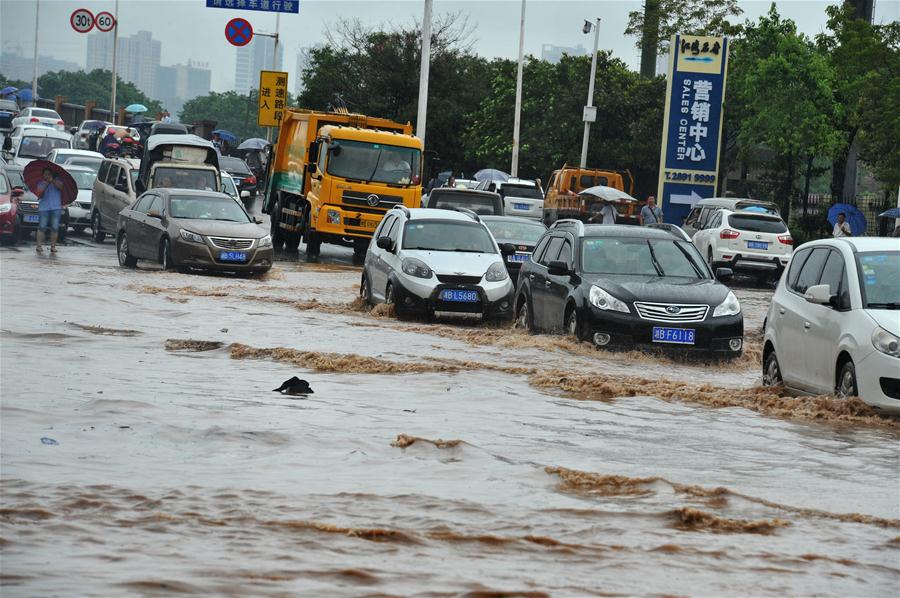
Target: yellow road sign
(272,98)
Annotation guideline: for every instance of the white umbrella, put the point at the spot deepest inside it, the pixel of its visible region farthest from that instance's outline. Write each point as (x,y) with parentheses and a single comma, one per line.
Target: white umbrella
(607,193)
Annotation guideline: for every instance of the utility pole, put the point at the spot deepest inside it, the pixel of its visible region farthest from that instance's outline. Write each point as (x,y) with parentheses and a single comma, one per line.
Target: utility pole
(34,66)
(650,39)
(514,170)
(112,107)
(590,115)
(423,72)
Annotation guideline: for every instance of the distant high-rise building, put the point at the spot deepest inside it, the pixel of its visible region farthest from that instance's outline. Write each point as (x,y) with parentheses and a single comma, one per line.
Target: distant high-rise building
(137,58)
(15,66)
(177,84)
(304,56)
(554,54)
(252,58)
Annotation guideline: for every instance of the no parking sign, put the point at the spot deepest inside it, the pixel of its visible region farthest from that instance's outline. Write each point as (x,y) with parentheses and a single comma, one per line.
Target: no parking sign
(239,32)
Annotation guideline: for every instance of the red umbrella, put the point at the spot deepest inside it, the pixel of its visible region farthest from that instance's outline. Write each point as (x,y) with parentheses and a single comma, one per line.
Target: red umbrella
(34,174)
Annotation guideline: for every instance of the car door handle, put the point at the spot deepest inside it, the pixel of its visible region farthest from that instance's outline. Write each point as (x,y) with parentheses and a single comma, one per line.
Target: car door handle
(781,311)
(806,325)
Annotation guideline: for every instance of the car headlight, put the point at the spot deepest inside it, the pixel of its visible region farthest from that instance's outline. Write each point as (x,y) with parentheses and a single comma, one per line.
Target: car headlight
(604,300)
(4,208)
(416,268)
(189,236)
(730,307)
(496,273)
(886,342)
(265,242)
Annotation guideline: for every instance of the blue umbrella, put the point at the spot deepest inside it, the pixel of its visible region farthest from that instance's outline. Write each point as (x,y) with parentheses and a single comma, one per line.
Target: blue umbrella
(8,90)
(892,213)
(136,108)
(254,143)
(225,135)
(855,218)
(491,174)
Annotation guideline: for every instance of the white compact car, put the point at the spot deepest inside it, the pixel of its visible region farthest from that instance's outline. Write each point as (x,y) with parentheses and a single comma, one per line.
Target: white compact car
(437,262)
(63,155)
(750,242)
(80,209)
(834,322)
(39,116)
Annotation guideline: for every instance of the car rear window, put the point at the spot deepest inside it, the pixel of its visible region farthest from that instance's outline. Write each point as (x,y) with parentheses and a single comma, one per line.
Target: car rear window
(480,204)
(757,224)
(524,191)
(233,165)
(44,113)
(512,230)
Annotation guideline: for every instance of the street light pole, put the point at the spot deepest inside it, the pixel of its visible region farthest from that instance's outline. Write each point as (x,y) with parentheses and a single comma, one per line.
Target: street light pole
(423,72)
(517,121)
(590,99)
(34,66)
(112,107)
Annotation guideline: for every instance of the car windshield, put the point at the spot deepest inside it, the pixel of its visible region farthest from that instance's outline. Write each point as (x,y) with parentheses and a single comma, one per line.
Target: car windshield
(228,186)
(40,147)
(441,235)
(184,178)
(641,257)
(38,112)
(16,180)
(524,191)
(759,208)
(450,200)
(880,278)
(233,165)
(362,161)
(207,208)
(84,179)
(512,230)
(756,224)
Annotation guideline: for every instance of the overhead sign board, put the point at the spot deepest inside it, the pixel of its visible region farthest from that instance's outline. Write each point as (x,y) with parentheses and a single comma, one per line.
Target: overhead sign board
(105,21)
(82,20)
(692,129)
(272,98)
(288,6)
(238,32)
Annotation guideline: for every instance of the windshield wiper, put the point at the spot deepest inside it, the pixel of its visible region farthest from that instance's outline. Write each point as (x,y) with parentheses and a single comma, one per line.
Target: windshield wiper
(374,170)
(656,265)
(888,305)
(468,250)
(690,261)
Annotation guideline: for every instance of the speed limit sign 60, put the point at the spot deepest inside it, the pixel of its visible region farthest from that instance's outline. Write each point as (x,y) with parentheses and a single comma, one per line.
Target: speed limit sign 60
(82,20)
(105,21)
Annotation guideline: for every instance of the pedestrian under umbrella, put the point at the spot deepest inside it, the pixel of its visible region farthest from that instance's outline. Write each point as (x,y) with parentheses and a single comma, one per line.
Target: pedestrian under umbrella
(55,189)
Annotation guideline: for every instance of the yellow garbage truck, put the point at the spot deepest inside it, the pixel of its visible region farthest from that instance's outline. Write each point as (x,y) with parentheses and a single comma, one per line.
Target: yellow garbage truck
(332,177)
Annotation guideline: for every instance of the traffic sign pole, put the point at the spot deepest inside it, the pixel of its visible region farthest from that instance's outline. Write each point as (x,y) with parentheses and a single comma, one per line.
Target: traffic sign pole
(112,108)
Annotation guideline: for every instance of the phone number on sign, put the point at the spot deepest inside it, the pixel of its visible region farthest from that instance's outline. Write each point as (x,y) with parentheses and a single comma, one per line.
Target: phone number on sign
(686,176)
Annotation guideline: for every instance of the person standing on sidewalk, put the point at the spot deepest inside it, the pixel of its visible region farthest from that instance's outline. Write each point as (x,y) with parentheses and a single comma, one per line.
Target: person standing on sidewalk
(650,214)
(49,190)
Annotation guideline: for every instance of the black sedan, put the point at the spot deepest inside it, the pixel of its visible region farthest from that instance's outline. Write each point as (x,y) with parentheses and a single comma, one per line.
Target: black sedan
(243,177)
(626,286)
(522,233)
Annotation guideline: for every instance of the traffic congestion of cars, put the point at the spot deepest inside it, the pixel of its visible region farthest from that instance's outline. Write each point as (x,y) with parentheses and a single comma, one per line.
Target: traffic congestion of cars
(506,249)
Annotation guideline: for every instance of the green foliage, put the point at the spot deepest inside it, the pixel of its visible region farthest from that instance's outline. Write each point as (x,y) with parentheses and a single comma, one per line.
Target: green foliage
(79,87)
(232,111)
(694,17)
(4,82)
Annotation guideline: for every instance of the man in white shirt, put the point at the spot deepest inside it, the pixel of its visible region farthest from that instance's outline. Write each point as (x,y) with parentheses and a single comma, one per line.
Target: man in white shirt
(841,227)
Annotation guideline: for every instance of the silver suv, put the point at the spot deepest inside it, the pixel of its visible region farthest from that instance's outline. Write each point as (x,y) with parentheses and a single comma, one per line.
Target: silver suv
(437,263)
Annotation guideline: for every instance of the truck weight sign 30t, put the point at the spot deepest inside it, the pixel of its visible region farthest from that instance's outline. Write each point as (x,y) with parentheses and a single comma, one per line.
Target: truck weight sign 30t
(689,160)
(82,20)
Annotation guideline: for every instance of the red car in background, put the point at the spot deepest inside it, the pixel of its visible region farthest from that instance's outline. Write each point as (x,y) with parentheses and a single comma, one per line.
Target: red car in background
(9,210)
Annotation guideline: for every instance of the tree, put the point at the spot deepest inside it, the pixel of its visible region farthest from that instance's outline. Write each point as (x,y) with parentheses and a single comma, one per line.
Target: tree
(231,111)
(79,87)
(695,17)
(781,95)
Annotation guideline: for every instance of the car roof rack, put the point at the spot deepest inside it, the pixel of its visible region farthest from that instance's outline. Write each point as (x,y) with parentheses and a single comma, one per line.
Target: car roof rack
(469,213)
(578,225)
(402,208)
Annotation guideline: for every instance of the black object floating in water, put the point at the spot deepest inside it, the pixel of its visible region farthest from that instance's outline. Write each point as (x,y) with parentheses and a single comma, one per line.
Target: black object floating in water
(294,386)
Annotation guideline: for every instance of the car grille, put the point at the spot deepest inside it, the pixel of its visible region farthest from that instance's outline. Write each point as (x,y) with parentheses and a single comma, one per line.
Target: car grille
(28,206)
(663,312)
(355,198)
(225,243)
(449,279)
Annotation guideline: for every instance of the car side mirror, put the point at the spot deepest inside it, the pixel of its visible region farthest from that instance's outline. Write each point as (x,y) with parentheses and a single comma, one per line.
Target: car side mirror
(507,249)
(724,274)
(385,243)
(313,168)
(558,268)
(820,293)
(7,144)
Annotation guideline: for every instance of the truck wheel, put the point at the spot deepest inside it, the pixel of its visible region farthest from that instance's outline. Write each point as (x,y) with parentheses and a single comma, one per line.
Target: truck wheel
(276,231)
(291,241)
(313,240)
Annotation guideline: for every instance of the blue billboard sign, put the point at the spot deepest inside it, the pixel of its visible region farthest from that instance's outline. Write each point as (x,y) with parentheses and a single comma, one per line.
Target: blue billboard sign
(288,6)
(689,159)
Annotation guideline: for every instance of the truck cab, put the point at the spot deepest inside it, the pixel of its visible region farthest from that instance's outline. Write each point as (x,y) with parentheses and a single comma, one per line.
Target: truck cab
(180,161)
(562,199)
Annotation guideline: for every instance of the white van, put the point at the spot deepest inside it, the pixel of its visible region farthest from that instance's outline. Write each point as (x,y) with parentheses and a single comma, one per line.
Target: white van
(28,143)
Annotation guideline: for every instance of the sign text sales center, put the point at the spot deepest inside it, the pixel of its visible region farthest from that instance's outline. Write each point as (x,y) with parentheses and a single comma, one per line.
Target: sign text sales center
(689,160)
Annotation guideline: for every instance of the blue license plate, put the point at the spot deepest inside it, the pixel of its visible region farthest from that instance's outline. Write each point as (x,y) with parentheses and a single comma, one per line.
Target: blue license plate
(521,206)
(31,218)
(518,257)
(676,336)
(757,245)
(232,256)
(458,296)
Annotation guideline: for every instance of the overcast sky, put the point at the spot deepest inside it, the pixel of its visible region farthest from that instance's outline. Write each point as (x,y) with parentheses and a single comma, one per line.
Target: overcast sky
(189,30)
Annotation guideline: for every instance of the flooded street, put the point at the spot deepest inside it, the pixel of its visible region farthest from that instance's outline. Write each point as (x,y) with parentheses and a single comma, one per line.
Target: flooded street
(144,452)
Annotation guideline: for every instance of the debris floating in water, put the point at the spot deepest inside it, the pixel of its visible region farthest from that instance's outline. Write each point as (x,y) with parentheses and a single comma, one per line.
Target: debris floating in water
(294,386)
(47,440)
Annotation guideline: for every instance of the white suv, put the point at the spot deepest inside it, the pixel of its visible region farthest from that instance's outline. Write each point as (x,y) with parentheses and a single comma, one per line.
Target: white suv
(746,241)
(521,197)
(437,262)
(834,322)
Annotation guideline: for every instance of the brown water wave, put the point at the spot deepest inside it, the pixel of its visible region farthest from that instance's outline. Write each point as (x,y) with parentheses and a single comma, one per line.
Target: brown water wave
(690,519)
(197,346)
(405,440)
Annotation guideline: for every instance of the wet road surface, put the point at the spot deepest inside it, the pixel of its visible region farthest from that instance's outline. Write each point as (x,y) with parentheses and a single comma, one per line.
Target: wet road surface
(143,452)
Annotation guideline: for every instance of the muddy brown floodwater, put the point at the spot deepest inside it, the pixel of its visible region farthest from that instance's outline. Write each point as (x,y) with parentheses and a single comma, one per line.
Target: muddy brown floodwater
(144,452)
